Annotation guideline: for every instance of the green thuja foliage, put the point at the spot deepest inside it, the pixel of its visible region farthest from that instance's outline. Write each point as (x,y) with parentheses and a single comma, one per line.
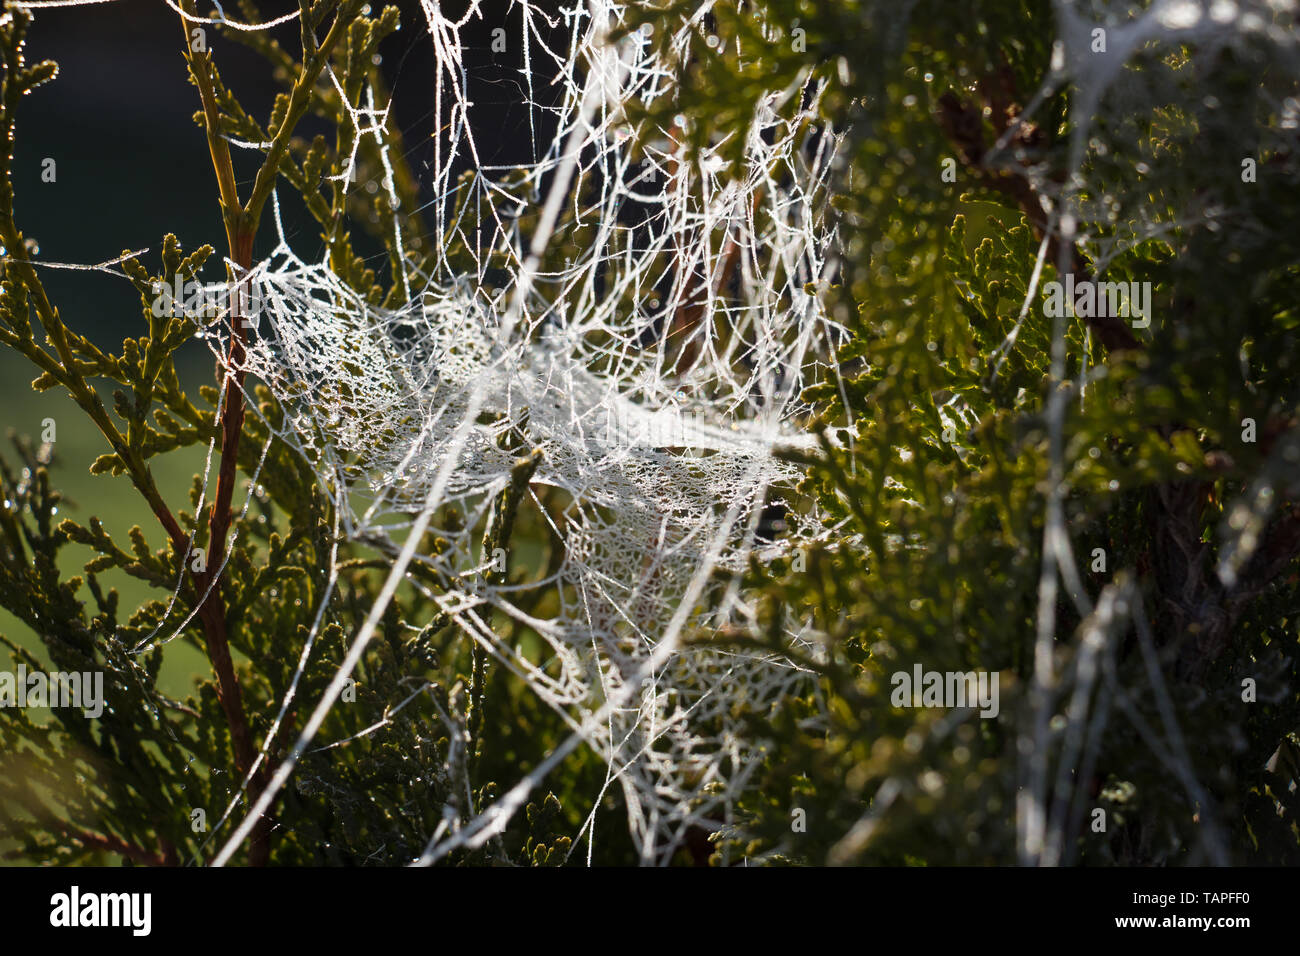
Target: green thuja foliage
(950,443)
(150,778)
(958,426)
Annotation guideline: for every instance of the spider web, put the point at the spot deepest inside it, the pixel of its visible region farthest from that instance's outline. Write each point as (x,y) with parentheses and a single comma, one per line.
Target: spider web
(659,432)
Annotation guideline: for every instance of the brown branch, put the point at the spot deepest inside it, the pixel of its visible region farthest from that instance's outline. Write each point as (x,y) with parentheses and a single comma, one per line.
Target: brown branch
(212,611)
(241,230)
(963,124)
(241,254)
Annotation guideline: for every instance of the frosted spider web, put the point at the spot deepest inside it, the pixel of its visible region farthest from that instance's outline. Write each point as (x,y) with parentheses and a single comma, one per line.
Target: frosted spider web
(660,433)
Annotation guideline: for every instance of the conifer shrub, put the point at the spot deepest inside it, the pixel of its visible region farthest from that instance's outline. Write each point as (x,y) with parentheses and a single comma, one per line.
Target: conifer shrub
(1030,597)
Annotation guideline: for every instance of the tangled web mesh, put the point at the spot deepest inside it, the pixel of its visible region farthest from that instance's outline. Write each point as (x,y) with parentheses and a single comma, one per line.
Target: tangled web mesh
(651,397)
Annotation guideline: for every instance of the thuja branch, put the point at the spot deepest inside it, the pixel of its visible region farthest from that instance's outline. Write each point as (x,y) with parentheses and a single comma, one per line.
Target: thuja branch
(65,368)
(1195,603)
(314,60)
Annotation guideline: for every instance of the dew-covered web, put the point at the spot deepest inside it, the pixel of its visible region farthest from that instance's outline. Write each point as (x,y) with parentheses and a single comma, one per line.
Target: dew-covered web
(655,399)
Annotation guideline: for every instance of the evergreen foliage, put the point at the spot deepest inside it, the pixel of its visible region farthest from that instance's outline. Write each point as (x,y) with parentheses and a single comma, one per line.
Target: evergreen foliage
(942,469)
(975,455)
